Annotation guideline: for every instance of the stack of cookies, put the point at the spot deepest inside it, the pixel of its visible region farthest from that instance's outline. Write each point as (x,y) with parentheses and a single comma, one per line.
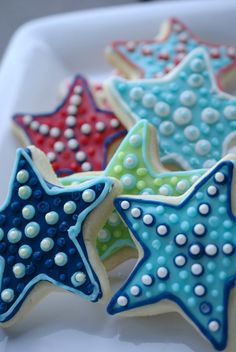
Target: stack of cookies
(135,167)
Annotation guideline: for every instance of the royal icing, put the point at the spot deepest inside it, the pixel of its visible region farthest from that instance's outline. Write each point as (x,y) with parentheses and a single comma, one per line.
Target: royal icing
(77,135)
(136,165)
(188,253)
(195,124)
(41,236)
(155,58)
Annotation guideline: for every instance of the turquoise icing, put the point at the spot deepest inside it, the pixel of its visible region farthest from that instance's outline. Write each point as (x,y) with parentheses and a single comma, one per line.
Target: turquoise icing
(193,121)
(146,55)
(189,253)
(41,236)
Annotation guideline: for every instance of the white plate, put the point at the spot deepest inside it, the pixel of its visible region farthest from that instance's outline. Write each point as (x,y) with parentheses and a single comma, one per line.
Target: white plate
(40,55)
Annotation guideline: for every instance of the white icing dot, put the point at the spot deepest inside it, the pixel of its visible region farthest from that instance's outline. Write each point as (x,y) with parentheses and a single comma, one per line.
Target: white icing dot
(86,166)
(214,326)
(103,235)
(135,212)
(115,123)
(195,249)
(78,89)
(146,280)
(80,156)
(125,204)
(70,121)
(14,235)
(7,295)
(182,186)
(134,290)
(192,133)
(34,125)
(69,207)
(180,260)
(72,109)
(162,272)
(122,301)
(80,277)
(22,176)
(136,93)
(204,209)
(199,229)
(210,115)
(24,192)
(203,147)
(88,195)
(27,119)
(211,190)
(196,269)
(69,133)
(182,116)
(25,251)
(55,132)
(164,190)
(195,80)
(52,217)
(162,230)
(44,129)
(162,109)
(188,98)
(230,112)
(148,219)
(51,156)
(32,229)
(100,126)
(60,259)
(19,270)
(211,249)
(199,290)
(28,212)
(219,177)
(59,146)
(228,248)
(181,239)
(75,100)
(46,244)
(197,65)
(167,128)
(86,128)
(73,144)
(149,100)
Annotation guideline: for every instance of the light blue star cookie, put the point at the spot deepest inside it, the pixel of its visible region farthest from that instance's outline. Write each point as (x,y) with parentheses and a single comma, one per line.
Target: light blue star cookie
(196,122)
(188,259)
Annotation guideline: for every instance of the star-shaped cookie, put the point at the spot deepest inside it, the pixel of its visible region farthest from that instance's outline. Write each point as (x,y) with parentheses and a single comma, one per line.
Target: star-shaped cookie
(187,254)
(195,120)
(47,235)
(136,165)
(158,56)
(77,136)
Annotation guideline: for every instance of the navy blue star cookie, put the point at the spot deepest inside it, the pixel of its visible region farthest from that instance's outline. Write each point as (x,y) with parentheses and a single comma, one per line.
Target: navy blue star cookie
(188,257)
(47,235)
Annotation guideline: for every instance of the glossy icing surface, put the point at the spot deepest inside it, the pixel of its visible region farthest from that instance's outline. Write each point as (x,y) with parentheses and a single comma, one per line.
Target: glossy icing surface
(77,135)
(194,119)
(135,165)
(189,253)
(154,58)
(41,236)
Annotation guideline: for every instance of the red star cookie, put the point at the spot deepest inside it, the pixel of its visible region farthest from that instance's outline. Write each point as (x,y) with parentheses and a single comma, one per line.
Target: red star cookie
(156,57)
(77,136)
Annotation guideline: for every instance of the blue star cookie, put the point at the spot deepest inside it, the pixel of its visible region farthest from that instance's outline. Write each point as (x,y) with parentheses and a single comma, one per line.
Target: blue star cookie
(195,121)
(188,253)
(46,234)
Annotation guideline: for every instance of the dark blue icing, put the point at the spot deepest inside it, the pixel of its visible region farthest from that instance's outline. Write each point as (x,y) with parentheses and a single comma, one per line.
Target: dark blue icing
(66,234)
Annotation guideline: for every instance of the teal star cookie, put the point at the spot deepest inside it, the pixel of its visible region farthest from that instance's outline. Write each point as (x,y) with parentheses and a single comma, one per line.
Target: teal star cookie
(188,259)
(195,120)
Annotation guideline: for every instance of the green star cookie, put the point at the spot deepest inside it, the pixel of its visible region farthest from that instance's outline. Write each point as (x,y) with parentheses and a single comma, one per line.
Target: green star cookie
(137,165)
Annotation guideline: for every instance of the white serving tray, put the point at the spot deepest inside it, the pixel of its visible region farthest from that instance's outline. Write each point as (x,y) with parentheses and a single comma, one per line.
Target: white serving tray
(39,56)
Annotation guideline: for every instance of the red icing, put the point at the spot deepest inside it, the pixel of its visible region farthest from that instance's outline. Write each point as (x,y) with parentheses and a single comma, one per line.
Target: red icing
(93,144)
